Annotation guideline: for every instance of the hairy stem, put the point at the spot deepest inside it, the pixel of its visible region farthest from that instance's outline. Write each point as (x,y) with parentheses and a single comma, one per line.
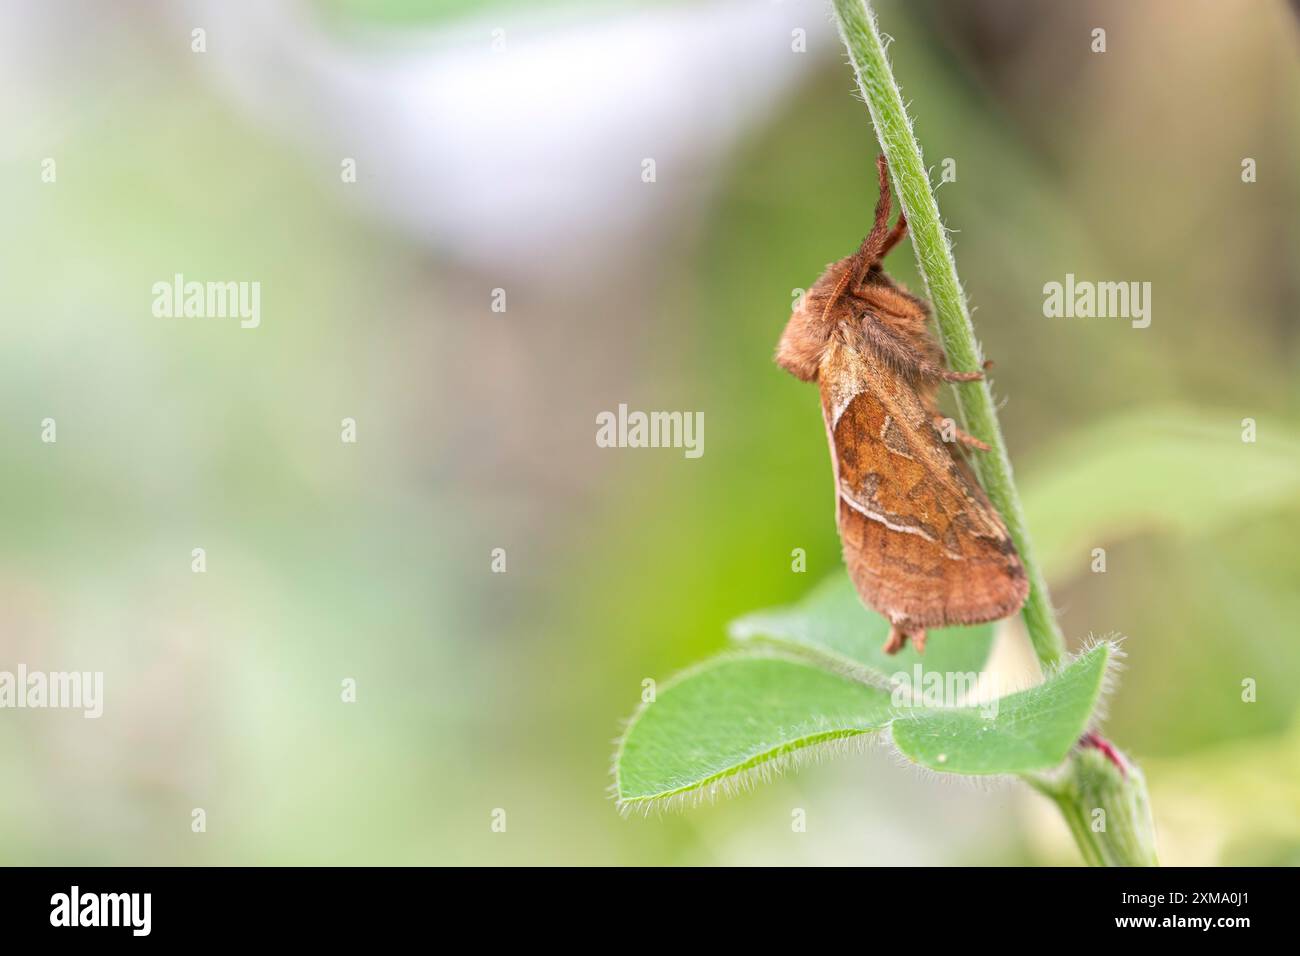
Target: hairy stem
(1101,796)
(934,258)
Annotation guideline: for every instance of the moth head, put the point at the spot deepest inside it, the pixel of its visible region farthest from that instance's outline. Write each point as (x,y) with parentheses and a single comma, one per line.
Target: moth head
(815,314)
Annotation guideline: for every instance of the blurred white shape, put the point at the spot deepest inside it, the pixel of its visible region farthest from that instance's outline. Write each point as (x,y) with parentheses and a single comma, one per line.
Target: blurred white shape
(530,155)
(867,809)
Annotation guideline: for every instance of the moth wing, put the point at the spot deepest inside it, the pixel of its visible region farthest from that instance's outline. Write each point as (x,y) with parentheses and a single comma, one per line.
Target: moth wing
(922,542)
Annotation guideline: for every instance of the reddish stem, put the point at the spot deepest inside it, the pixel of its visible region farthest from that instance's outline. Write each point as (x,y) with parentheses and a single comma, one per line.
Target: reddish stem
(1097,741)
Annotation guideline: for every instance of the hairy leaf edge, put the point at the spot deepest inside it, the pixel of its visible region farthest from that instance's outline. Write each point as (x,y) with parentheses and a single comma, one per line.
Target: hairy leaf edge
(761,768)
(793,755)
(1106,683)
(743,776)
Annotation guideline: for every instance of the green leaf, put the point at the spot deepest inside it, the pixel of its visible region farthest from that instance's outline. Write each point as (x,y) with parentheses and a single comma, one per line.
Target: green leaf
(1177,470)
(719,724)
(1029,731)
(833,626)
(736,714)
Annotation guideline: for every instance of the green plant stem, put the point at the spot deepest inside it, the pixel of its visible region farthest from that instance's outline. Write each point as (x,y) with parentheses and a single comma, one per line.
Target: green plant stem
(1122,801)
(1072,812)
(935,261)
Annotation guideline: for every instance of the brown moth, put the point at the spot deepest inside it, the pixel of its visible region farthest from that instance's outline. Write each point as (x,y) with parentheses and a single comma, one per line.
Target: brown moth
(923,545)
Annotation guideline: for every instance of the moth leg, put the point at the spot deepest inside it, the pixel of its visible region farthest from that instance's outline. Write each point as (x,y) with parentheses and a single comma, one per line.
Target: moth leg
(898,636)
(941,422)
(966,376)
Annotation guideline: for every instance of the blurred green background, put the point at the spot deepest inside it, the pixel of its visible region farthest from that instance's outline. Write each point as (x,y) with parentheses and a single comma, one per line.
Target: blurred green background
(518,166)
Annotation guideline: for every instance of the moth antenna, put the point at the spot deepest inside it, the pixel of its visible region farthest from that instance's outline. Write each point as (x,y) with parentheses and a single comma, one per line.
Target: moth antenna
(899,231)
(840,287)
(875,245)
(870,252)
(878,242)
